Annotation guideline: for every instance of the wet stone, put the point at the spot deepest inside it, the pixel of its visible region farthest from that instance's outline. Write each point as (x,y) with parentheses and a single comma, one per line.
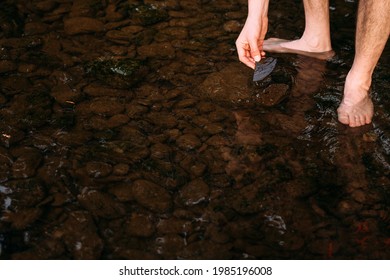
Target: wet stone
(160,151)
(321,246)
(233,26)
(121,169)
(227,85)
(35,28)
(359,196)
(82,25)
(162,119)
(65,95)
(45,5)
(123,191)
(195,192)
(163,50)
(174,225)
(107,107)
(22,218)
(27,163)
(7,66)
(170,245)
(27,68)
(118,36)
(151,196)
(133,134)
(122,73)
(101,205)
(147,14)
(98,169)
(98,91)
(214,128)
(272,95)
(140,225)
(79,234)
(348,207)
(24,193)
(188,142)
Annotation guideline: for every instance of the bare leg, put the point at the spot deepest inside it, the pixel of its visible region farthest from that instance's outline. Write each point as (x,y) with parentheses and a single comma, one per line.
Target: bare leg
(372,32)
(315,38)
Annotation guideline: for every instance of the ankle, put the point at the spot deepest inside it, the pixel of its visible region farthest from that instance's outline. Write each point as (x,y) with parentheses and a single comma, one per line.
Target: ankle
(316,43)
(356,88)
(358,81)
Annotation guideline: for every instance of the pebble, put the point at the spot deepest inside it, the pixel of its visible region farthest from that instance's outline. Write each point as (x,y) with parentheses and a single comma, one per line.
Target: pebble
(7,66)
(188,142)
(101,205)
(82,25)
(27,163)
(151,196)
(195,192)
(140,225)
(98,169)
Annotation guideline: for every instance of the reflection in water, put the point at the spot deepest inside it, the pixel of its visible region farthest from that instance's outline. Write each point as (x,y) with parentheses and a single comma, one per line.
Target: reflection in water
(95,165)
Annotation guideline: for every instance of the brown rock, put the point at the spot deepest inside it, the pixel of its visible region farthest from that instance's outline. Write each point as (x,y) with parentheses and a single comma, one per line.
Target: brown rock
(98,169)
(106,106)
(272,95)
(160,151)
(98,90)
(195,192)
(101,205)
(188,142)
(79,234)
(233,26)
(7,66)
(151,196)
(170,245)
(123,192)
(164,50)
(227,85)
(27,163)
(82,25)
(162,119)
(121,169)
(140,226)
(174,225)
(35,28)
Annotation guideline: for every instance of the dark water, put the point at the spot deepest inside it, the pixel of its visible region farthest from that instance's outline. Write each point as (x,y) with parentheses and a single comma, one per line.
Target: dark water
(134,133)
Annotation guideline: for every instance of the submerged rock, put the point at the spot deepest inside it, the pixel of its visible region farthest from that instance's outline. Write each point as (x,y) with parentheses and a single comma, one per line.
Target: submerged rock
(122,73)
(233,84)
(147,14)
(11,23)
(82,25)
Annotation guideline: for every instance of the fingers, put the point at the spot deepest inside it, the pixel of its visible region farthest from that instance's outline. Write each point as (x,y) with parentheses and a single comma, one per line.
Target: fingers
(244,54)
(254,50)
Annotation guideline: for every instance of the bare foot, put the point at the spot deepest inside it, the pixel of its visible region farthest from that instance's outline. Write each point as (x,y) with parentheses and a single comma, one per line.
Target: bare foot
(356,108)
(319,51)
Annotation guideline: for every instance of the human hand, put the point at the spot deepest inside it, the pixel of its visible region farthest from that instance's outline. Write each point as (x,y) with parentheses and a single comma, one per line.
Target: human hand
(249,43)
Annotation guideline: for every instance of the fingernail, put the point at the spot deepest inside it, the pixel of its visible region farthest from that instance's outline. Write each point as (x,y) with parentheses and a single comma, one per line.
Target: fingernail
(257,58)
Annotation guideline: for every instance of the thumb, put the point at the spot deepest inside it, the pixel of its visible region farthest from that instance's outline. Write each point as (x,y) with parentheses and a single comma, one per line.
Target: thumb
(255,53)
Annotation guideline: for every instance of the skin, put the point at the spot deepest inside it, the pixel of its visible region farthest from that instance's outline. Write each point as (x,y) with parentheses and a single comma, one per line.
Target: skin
(373,29)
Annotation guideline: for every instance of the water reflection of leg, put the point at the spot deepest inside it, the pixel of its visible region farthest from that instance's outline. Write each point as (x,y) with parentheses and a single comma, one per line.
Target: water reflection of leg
(308,80)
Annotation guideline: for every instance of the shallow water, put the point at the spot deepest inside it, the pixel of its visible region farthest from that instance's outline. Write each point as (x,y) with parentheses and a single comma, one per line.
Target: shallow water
(181,157)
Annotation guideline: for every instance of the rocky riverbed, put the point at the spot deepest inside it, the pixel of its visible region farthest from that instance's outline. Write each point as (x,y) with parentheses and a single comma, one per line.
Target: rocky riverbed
(129,130)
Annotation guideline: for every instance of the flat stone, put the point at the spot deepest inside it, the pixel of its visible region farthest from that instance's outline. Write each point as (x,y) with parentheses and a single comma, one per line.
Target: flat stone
(140,226)
(188,142)
(82,25)
(195,192)
(7,66)
(152,196)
